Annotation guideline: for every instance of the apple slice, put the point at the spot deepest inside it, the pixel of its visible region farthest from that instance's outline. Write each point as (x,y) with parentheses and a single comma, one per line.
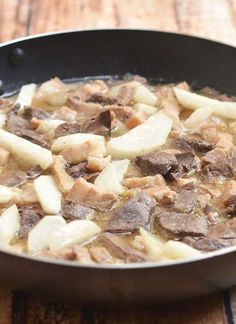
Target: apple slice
(111,177)
(39,234)
(48,194)
(75,232)
(26,151)
(142,139)
(9,224)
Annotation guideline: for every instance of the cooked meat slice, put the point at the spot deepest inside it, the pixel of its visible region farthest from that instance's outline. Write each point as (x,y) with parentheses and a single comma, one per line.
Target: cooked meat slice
(209,132)
(77,170)
(74,210)
(12,177)
(101,255)
(82,254)
(30,113)
(215,156)
(88,195)
(100,125)
(186,161)
(182,224)
(216,163)
(188,143)
(157,163)
(26,195)
(134,214)
(22,127)
(66,129)
(162,194)
(121,112)
(143,182)
(220,236)
(172,109)
(34,172)
(102,99)
(229,197)
(64,180)
(121,249)
(87,110)
(186,201)
(29,217)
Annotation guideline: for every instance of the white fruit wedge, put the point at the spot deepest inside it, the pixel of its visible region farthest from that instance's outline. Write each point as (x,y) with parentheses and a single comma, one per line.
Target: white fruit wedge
(39,235)
(48,194)
(9,224)
(142,139)
(111,177)
(75,232)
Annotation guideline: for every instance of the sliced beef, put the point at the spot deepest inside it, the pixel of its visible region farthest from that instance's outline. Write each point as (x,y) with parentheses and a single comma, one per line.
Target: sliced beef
(30,113)
(102,99)
(125,95)
(186,161)
(186,201)
(229,198)
(100,125)
(12,177)
(34,172)
(220,236)
(217,163)
(22,127)
(134,214)
(66,129)
(181,223)
(29,217)
(77,170)
(188,143)
(121,249)
(157,163)
(74,210)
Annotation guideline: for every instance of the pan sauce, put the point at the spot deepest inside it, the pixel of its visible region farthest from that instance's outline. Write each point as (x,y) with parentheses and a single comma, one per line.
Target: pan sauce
(117,171)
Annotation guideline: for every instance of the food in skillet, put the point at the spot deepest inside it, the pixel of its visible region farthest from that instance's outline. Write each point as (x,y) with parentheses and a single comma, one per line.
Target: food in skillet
(118,171)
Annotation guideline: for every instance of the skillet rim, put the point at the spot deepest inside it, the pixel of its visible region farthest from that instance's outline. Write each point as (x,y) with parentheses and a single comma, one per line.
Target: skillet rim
(124,266)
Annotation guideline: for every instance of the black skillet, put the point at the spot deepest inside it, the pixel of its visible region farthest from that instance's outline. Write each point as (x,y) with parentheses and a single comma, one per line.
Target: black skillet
(155,55)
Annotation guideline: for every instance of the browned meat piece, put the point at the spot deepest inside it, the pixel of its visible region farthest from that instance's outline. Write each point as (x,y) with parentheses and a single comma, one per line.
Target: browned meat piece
(162,194)
(186,201)
(64,180)
(77,170)
(134,214)
(188,143)
(29,217)
(102,99)
(215,156)
(229,197)
(142,182)
(216,163)
(30,113)
(100,125)
(100,255)
(186,162)
(225,142)
(121,249)
(34,172)
(182,224)
(12,177)
(74,210)
(66,129)
(121,112)
(157,163)
(220,236)
(22,127)
(88,195)
(87,110)
(209,132)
